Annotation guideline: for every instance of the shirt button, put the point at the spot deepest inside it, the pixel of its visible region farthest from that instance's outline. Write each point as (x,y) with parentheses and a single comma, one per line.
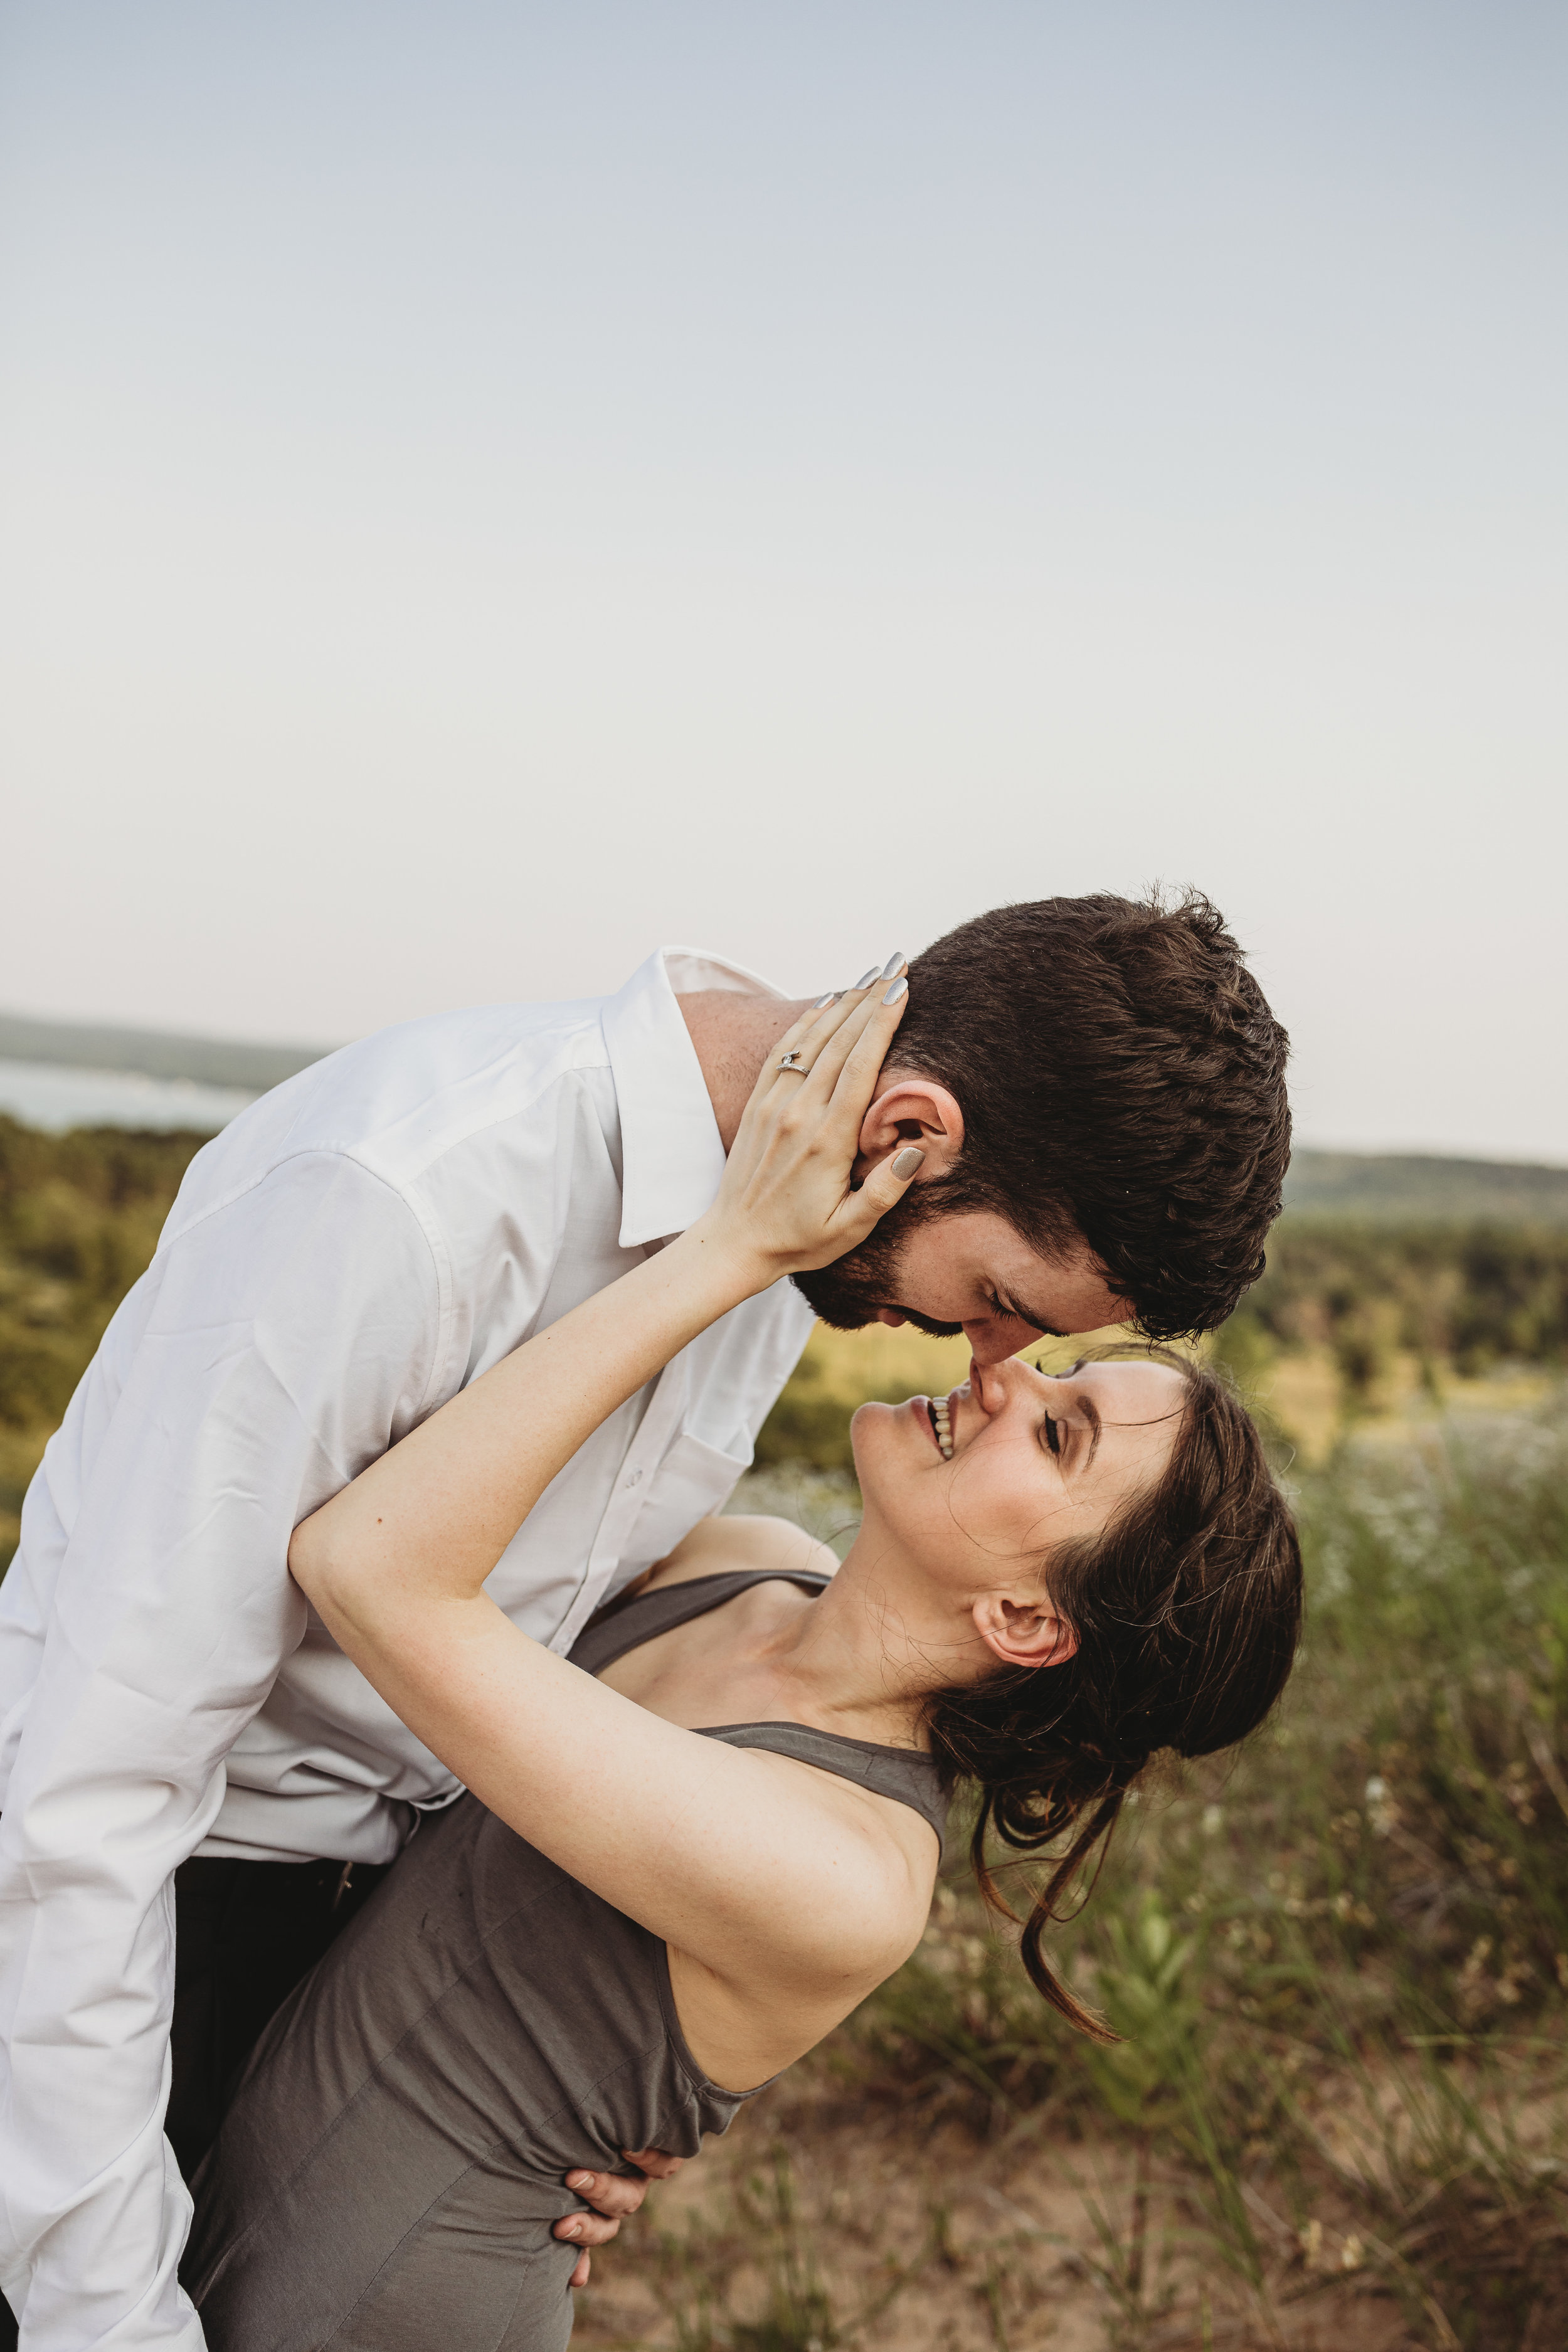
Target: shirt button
(635,1475)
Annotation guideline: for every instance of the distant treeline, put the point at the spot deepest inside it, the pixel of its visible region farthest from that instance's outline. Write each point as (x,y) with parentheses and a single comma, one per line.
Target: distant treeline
(1470,1295)
(80,1214)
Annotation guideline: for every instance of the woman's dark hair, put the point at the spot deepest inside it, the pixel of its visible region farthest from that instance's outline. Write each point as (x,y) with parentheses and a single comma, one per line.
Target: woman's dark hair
(1121,1078)
(1187,1611)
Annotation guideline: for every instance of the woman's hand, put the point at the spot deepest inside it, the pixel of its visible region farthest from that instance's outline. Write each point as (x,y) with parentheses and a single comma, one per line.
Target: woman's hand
(787,1202)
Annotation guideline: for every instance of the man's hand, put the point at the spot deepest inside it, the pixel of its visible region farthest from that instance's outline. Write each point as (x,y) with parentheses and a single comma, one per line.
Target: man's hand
(612,2195)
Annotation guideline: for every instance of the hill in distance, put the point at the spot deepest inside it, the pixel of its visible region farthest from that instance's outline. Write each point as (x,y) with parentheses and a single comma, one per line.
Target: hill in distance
(1417,1187)
(1381,1186)
(151,1053)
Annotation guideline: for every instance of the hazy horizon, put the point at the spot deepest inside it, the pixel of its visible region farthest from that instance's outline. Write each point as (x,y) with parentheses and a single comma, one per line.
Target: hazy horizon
(35,1102)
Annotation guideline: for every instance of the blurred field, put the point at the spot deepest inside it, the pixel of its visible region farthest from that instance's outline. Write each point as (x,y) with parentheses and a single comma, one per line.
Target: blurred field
(79,1217)
(1338,2122)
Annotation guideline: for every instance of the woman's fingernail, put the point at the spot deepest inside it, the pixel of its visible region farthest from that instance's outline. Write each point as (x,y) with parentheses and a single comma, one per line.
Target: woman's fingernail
(900,988)
(906,1163)
(826,998)
(579,2180)
(891,967)
(867,977)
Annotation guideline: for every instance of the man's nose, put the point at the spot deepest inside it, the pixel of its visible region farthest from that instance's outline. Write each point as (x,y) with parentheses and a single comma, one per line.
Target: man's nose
(987,1344)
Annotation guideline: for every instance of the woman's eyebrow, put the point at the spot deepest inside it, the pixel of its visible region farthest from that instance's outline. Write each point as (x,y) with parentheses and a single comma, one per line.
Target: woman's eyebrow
(1092,1414)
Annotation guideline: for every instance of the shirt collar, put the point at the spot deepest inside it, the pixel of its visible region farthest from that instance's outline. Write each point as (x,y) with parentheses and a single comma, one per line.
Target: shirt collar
(672,1157)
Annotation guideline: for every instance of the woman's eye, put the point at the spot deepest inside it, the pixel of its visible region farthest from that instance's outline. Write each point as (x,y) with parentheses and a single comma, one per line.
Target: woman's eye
(1053,1436)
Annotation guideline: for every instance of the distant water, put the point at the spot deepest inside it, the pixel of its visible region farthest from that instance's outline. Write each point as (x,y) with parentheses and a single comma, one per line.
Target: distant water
(48,1095)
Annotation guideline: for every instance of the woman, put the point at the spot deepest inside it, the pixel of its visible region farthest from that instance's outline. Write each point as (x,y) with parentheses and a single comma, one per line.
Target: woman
(636,1917)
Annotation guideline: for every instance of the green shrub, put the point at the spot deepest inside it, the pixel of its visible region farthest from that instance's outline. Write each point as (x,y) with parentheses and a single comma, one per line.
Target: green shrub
(79,1217)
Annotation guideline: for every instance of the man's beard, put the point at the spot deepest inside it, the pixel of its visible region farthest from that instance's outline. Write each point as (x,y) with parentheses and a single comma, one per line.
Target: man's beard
(848,1294)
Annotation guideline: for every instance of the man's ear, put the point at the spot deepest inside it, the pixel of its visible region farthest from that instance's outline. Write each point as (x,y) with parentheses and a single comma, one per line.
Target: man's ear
(913,1110)
(1024,1632)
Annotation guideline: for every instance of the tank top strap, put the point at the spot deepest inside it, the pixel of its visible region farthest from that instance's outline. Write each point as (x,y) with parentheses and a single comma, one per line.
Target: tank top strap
(900,1773)
(637,1617)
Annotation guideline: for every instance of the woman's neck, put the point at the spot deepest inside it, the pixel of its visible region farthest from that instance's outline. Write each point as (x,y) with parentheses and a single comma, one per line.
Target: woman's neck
(864,1656)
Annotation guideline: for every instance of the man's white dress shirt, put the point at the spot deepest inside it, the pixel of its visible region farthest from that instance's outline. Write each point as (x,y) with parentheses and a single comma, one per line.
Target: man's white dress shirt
(352,1250)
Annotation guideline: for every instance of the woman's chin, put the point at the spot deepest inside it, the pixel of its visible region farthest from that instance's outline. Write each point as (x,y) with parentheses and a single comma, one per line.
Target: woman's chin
(870,1425)
(876,1439)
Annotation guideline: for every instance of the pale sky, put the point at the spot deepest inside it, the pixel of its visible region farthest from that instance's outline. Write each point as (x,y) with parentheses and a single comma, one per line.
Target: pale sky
(492,486)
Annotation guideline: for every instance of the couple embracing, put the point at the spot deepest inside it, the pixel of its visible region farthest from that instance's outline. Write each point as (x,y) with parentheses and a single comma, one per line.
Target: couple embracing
(425,1819)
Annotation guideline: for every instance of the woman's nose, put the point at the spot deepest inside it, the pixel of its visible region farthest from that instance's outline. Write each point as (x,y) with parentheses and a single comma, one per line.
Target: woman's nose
(1007,1382)
(995,1386)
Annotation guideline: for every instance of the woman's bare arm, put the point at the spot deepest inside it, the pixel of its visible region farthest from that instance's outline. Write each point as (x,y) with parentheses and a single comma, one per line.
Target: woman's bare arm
(733,1856)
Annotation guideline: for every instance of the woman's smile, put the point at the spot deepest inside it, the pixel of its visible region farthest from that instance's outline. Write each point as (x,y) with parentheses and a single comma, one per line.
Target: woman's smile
(935,1415)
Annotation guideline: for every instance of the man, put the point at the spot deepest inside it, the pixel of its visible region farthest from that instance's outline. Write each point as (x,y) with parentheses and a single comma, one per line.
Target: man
(1098,1087)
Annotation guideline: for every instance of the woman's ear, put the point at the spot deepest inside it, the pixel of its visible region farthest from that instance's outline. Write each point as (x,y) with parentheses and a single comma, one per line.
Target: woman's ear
(913,1110)
(1024,1632)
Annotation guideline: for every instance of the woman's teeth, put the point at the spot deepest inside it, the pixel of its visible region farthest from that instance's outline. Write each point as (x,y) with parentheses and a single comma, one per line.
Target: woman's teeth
(941,1421)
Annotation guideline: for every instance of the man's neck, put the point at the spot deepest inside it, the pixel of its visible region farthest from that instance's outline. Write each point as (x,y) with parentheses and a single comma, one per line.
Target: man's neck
(734,1035)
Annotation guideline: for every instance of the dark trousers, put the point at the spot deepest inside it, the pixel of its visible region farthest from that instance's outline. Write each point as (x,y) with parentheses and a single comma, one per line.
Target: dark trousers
(246,1933)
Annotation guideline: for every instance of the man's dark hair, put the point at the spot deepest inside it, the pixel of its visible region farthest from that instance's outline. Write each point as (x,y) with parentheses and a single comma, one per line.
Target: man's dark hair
(1120,1077)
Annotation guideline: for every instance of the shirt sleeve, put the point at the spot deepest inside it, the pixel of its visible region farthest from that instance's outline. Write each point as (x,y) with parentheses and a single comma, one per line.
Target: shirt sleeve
(270,1351)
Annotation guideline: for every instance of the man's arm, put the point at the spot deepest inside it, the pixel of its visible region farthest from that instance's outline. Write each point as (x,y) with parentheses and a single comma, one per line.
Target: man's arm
(269,1353)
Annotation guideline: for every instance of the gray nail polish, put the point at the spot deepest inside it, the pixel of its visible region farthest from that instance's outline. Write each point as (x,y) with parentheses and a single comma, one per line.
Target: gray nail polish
(826,998)
(891,967)
(906,1163)
(867,977)
(900,988)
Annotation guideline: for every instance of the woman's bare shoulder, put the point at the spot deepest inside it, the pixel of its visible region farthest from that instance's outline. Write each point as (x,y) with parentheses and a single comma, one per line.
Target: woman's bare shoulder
(717,1546)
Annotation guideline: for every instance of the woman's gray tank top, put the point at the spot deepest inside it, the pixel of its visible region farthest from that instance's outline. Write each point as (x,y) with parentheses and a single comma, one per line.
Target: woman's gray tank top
(388,2171)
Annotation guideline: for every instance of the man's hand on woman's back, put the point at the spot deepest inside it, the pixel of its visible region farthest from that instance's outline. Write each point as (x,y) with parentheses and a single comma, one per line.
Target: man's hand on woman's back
(611,2196)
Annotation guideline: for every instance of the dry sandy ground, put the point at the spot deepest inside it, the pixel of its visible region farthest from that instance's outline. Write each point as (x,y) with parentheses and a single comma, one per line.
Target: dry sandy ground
(968,2249)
